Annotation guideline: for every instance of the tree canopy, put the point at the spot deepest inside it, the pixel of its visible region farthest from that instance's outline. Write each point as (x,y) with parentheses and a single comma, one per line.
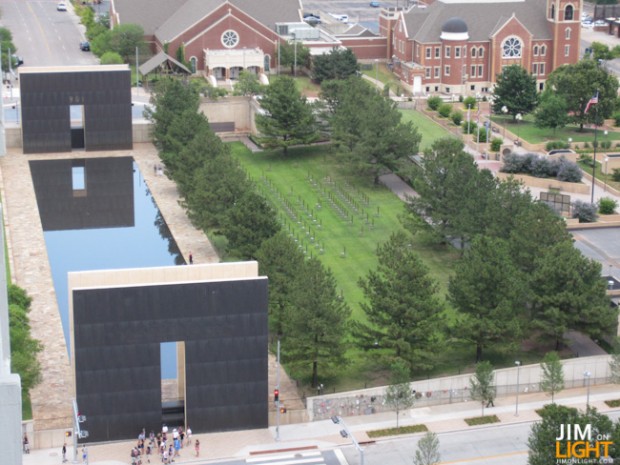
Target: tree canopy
(516,90)
(552,379)
(482,384)
(577,83)
(288,118)
(337,64)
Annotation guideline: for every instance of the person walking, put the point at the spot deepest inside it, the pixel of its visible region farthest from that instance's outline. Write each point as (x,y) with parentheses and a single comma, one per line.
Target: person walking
(197,447)
(26,444)
(84,455)
(64,452)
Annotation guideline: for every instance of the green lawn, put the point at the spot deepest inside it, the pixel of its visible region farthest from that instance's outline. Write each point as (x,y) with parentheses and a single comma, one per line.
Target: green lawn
(528,131)
(430,130)
(336,217)
(306,86)
(382,73)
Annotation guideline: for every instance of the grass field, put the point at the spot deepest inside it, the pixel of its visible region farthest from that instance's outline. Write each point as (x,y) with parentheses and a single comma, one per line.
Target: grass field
(430,130)
(528,131)
(336,217)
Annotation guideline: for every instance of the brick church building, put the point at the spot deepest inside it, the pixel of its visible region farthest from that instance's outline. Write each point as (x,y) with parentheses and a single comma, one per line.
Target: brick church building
(445,46)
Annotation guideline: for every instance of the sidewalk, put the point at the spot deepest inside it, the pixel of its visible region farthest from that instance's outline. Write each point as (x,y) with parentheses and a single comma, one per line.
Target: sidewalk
(325,435)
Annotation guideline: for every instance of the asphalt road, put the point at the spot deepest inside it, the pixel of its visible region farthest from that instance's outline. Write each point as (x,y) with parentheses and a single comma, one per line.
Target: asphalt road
(484,446)
(44,36)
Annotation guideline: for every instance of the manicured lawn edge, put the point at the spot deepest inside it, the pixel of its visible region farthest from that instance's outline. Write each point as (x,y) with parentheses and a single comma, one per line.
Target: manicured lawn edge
(485,420)
(411,429)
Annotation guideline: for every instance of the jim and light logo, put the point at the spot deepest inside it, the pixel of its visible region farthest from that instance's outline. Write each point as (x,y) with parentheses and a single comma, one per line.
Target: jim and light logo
(576,445)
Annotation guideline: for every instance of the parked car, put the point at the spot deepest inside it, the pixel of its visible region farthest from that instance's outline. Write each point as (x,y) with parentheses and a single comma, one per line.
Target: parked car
(85,46)
(375,4)
(61,6)
(600,22)
(312,20)
(17,61)
(587,24)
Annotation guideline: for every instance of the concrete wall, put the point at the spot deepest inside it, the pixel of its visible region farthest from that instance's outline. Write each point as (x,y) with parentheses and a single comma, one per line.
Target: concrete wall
(456,388)
(236,109)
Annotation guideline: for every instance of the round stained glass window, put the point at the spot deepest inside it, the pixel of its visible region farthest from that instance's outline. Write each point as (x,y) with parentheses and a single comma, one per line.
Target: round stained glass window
(230,38)
(512,48)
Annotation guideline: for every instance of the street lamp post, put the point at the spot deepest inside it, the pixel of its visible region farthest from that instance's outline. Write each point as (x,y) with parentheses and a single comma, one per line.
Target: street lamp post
(587,375)
(505,111)
(570,141)
(518,117)
(468,118)
(518,364)
(345,433)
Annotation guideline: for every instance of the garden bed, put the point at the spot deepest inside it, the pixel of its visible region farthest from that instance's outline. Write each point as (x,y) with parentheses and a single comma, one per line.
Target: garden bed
(485,420)
(548,183)
(411,429)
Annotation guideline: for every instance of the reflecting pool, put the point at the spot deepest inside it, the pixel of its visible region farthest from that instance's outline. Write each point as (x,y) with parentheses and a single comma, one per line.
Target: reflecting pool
(98,213)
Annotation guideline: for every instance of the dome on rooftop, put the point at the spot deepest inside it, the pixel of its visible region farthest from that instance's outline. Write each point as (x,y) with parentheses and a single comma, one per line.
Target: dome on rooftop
(454,25)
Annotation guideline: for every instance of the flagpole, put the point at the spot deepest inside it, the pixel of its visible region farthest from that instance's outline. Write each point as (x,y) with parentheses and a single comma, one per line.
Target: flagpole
(594,157)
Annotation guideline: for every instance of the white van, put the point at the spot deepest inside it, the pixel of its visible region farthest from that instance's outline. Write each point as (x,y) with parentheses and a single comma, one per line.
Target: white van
(341,18)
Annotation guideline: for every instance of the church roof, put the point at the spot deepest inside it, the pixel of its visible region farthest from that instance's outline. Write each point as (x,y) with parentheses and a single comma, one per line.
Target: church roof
(481,18)
(166,19)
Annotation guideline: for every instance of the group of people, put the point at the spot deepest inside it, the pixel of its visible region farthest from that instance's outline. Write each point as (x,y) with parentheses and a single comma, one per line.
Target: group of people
(168,447)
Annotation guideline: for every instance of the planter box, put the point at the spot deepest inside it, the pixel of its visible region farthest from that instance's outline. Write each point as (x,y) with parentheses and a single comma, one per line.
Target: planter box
(547,183)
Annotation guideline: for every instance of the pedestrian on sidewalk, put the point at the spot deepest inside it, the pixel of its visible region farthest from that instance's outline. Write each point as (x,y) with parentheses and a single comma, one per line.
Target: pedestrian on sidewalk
(26,444)
(197,447)
(64,452)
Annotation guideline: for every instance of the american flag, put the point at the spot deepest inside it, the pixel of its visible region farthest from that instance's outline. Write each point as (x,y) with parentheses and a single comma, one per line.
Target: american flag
(592,101)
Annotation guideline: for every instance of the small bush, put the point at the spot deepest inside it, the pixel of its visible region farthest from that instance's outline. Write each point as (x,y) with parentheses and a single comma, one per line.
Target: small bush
(584,211)
(461,98)
(496,144)
(470,102)
(606,144)
(568,171)
(586,145)
(434,102)
(613,403)
(541,167)
(444,110)
(469,128)
(480,135)
(377,433)
(485,420)
(457,117)
(586,160)
(556,144)
(615,175)
(607,206)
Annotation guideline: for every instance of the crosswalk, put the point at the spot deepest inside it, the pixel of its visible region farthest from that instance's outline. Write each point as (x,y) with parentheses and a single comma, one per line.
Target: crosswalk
(307,457)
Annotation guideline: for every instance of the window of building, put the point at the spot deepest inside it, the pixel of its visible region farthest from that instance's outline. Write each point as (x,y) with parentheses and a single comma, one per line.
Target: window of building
(436,88)
(472,87)
(448,52)
(567,33)
(541,86)
(447,90)
(568,13)
(567,50)
(481,52)
(535,69)
(464,51)
(428,52)
(543,50)
(230,38)
(473,52)
(552,14)
(437,52)
(479,70)
(427,73)
(193,61)
(473,71)
(541,68)
(457,52)
(511,48)
(535,50)
(446,70)
(417,50)
(436,71)
(427,89)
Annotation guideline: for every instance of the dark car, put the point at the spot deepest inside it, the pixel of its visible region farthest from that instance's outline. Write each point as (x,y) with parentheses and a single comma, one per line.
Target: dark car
(17,61)
(85,46)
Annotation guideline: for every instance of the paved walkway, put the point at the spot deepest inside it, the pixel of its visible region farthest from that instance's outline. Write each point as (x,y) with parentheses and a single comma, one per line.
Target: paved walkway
(325,435)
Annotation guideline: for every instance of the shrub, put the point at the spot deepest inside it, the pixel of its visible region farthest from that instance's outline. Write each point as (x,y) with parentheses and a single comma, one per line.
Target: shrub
(434,102)
(586,145)
(111,58)
(386,90)
(607,206)
(586,160)
(461,98)
(568,171)
(496,144)
(584,211)
(613,403)
(480,134)
(394,431)
(557,144)
(616,118)
(444,110)
(540,167)
(606,144)
(469,127)
(457,117)
(485,420)
(470,102)
(615,175)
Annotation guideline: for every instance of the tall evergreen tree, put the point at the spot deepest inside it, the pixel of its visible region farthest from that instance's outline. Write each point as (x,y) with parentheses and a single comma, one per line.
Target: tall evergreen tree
(515,89)
(402,306)
(288,118)
(337,64)
(487,290)
(315,327)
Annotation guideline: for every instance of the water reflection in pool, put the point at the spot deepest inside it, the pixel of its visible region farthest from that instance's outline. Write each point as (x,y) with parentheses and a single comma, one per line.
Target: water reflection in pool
(98,213)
